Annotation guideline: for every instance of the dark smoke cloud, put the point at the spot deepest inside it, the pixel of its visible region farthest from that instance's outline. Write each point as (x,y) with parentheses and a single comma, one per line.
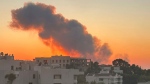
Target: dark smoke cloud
(70,34)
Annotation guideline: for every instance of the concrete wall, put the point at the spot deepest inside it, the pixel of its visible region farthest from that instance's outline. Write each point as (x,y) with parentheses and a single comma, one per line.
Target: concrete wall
(22,77)
(47,75)
(61,60)
(105,79)
(7,64)
(42,60)
(26,77)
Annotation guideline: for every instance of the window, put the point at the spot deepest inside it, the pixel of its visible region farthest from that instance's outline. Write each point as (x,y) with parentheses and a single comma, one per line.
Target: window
(52,61)
(56,61)
(29,67)
(12,67)
(20,63)
(59,61)
(100,79)
(64,61)
(57,76)
(67,61)
(63,65)
(33,76)
(45,62)
(30,83)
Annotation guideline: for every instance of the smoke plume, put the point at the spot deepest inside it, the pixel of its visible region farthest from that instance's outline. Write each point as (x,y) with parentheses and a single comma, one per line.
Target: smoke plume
(57,32)
(123,56)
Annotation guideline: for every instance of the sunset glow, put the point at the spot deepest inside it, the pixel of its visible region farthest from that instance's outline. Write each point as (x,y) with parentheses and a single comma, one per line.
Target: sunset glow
(121,28)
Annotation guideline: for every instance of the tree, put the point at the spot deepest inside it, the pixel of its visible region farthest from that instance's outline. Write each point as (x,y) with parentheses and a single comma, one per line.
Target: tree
(93,82)
(130,79)
(94,68)
(121,63)
(81,79)
(136,69)
(125,66)
(101,83)
(11,77)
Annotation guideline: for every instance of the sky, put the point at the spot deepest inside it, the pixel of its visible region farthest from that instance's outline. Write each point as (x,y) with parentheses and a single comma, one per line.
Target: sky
(123,24)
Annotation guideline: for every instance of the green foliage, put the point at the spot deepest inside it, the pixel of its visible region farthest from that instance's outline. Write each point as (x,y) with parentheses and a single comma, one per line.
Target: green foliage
(121,63)
(132,73)
(11,77)
(93,82)
(101,83)
(144,78)
(130,79)
(81,79)
(94,68)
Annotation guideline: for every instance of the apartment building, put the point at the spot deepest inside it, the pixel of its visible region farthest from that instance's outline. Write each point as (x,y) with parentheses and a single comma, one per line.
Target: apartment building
(104,77)
(115,69)
(48,75)
(34,72)
(64,62)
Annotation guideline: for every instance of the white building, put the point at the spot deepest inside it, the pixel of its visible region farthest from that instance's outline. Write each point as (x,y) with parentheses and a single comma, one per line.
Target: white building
(43,60)
(48,75)
(6,56)
(30,72)
(104,77)
(115,69)
(22,77)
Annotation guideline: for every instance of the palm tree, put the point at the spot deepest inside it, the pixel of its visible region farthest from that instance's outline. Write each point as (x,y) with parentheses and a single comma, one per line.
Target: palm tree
(11,77)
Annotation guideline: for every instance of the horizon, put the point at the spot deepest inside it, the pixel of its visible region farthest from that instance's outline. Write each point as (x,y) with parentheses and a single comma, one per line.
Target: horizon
(123,25)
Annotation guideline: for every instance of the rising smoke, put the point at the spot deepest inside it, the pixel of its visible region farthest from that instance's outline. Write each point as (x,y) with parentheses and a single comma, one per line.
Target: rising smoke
(71,35)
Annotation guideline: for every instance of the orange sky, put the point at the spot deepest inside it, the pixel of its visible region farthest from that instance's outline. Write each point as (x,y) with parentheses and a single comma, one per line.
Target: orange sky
(124,25)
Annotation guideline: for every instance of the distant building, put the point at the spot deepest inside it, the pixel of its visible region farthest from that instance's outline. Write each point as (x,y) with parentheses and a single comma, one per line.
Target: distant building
(64,62)
(80,63)
(108,75)
(104,77)
(115,69)
(42,61)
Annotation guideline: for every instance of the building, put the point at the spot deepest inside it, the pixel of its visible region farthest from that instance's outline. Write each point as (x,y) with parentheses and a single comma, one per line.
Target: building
(64,61)
(22,77)
(48,75)
(115,69)
(108,75)
(104,77)
(6,56)
(80,63)
(40,71)
(43,60)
